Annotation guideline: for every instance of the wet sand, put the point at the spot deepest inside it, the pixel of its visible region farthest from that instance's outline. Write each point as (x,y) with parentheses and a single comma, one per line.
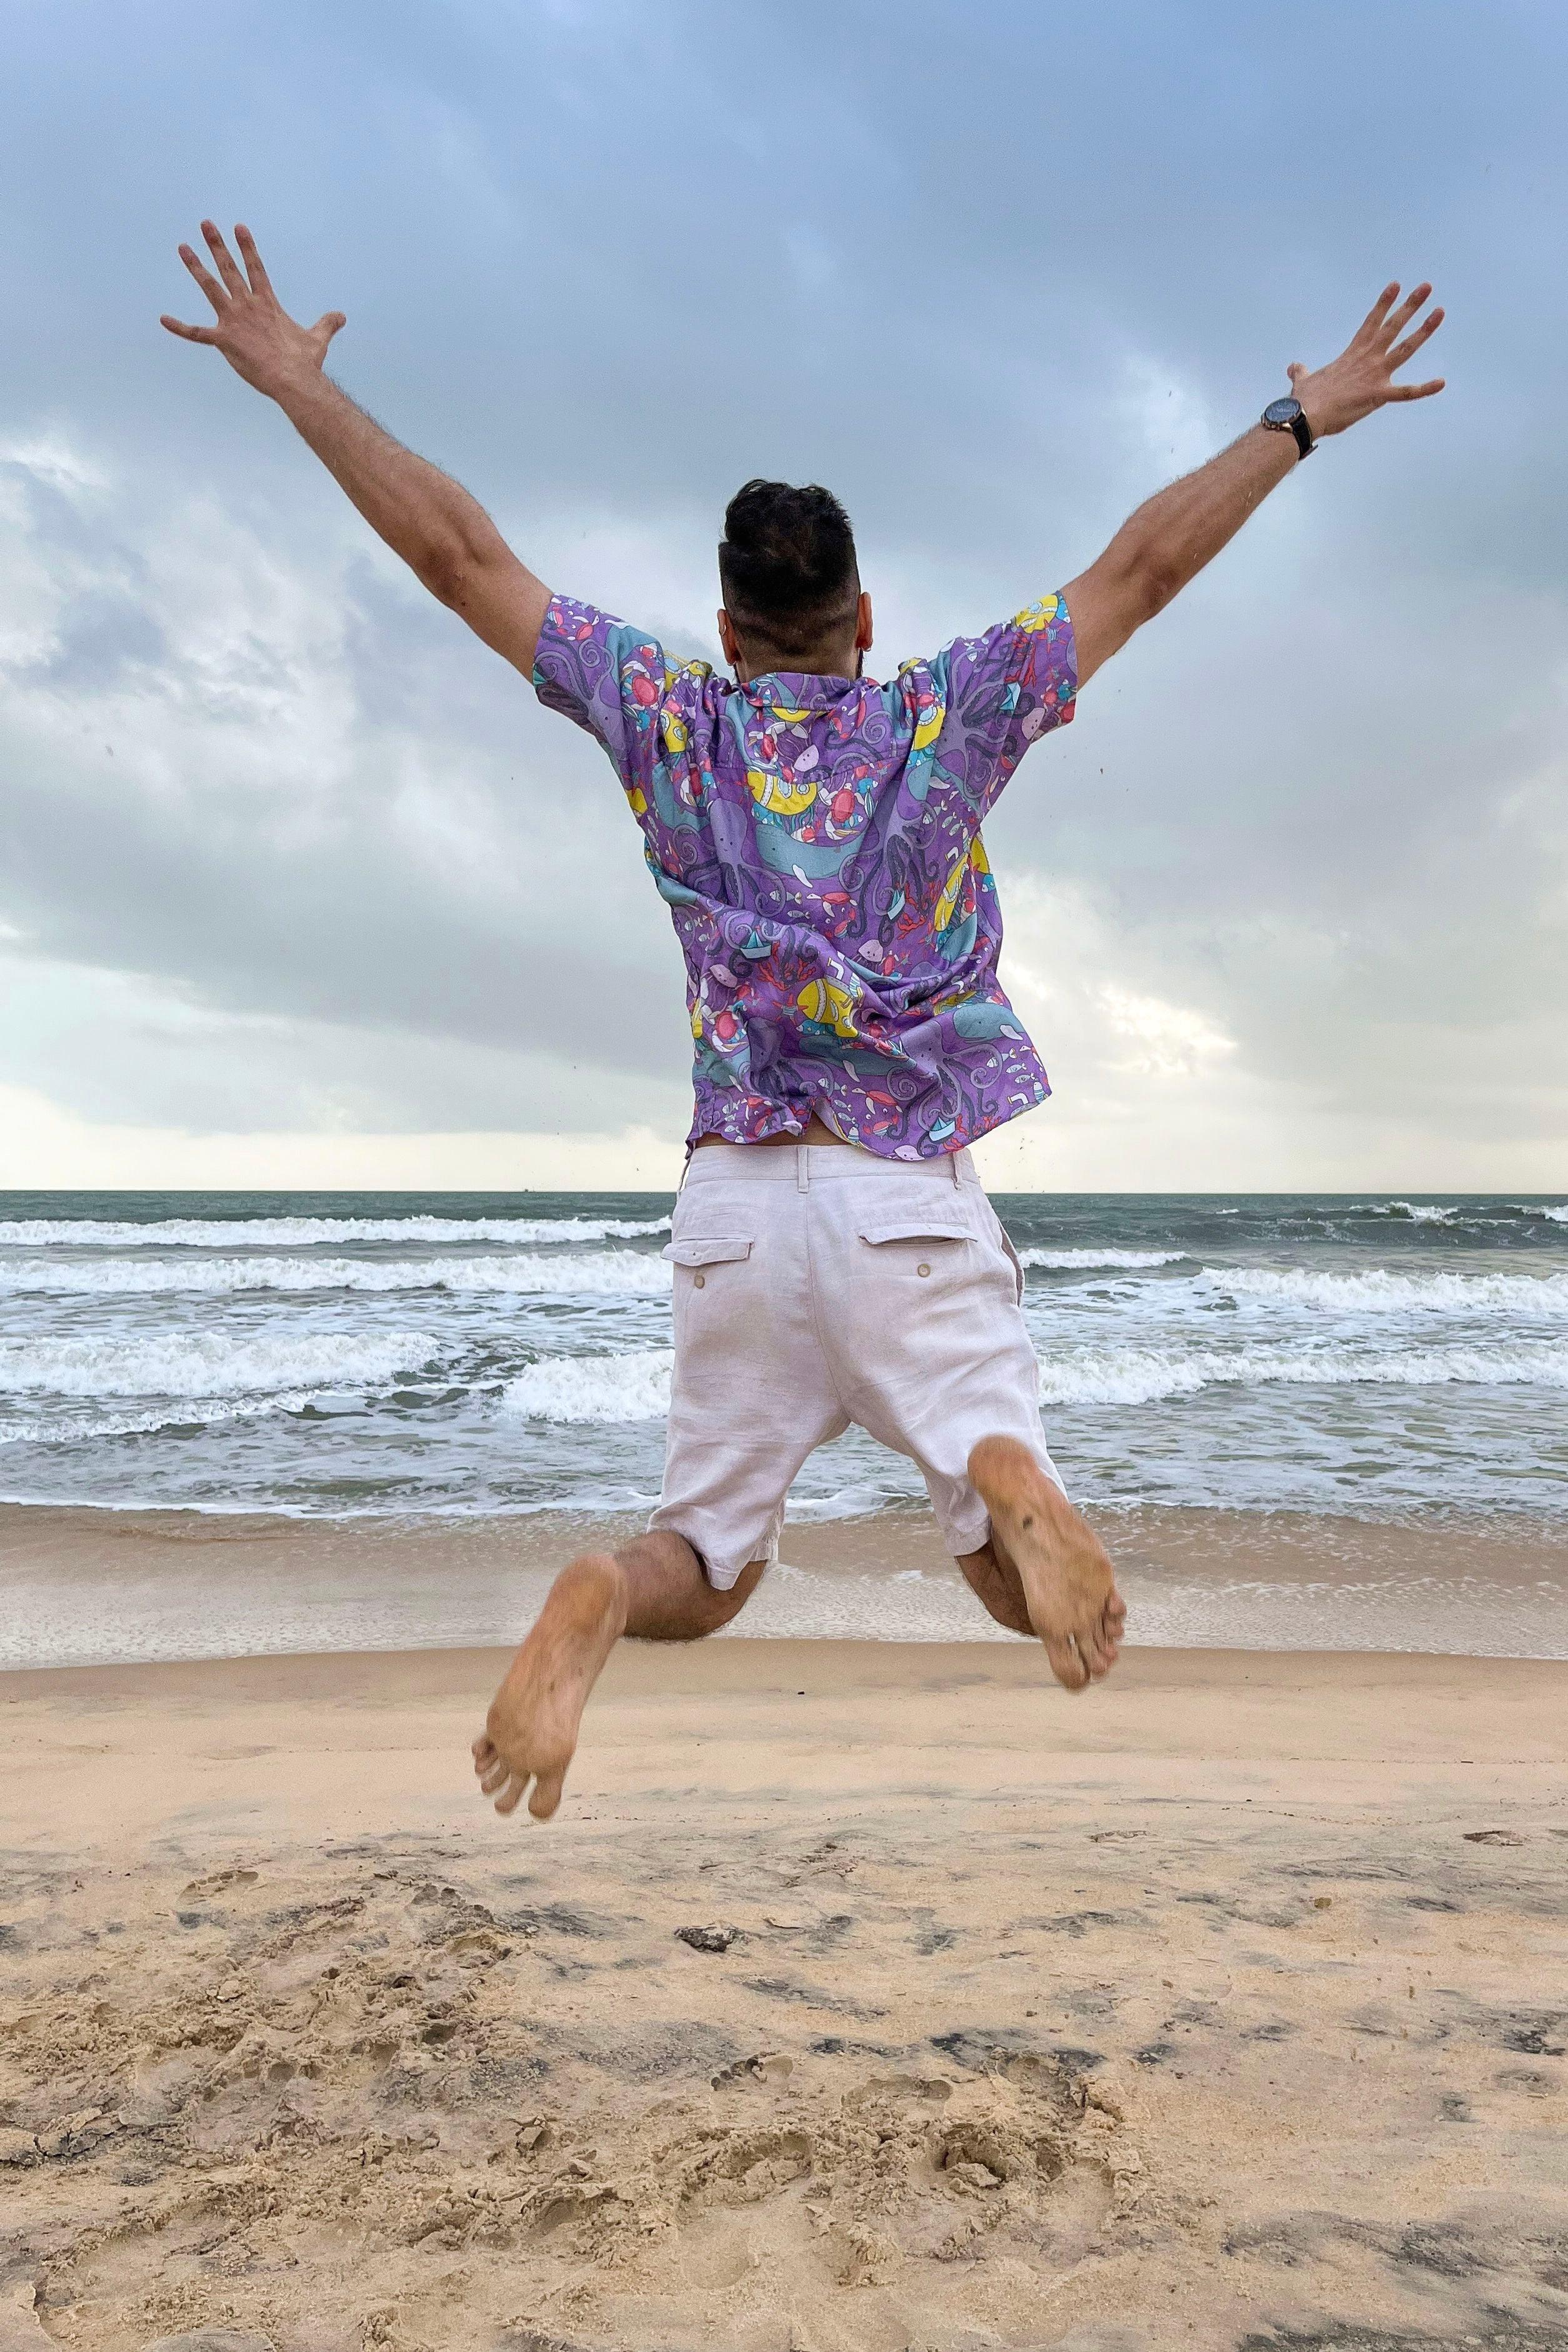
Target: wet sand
(1222,2007)
(80,1587)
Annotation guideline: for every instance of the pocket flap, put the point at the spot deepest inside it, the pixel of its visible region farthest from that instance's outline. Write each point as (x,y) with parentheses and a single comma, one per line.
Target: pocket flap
(915,1229)
(698,1249)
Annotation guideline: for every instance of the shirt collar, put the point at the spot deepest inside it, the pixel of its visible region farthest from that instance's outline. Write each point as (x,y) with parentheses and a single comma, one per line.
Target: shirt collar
(791,689)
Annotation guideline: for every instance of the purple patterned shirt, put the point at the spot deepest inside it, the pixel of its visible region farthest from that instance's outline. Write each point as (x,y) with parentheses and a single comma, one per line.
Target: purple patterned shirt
(818,842)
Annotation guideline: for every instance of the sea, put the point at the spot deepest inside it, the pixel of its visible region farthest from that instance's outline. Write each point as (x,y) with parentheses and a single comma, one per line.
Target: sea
(438,1357)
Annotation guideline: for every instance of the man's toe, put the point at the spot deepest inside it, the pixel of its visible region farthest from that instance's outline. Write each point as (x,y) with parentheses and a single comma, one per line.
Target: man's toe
(546,1794)
(512,1794)
(1096,1652)
(1066,1665)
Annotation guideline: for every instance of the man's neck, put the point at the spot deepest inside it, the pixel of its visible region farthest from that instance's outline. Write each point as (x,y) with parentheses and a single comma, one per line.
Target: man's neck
(829,662)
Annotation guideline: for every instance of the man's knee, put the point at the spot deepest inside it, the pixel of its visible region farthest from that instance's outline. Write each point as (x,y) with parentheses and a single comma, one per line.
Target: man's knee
(673,1600)
(724,1607)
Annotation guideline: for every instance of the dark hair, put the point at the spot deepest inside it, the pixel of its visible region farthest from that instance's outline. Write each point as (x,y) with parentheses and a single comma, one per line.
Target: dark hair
(787,564)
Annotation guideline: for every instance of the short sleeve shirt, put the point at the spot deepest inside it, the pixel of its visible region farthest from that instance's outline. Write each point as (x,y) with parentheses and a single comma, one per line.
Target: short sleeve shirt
(818,843)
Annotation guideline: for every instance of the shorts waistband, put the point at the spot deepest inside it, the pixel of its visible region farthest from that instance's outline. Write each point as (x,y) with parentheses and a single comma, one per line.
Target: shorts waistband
(806,1164)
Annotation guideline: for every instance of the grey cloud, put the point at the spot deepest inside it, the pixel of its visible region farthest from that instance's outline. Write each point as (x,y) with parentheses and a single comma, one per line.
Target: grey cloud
(604,266)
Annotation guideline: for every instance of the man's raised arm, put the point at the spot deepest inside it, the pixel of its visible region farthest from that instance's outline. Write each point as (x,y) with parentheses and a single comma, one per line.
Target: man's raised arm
(443,535)
(1167,542)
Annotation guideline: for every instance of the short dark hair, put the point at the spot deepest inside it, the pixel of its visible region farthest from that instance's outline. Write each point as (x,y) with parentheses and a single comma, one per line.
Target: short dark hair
(786,565)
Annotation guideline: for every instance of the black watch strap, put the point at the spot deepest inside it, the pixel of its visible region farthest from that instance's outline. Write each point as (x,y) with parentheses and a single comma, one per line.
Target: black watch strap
(1286,417)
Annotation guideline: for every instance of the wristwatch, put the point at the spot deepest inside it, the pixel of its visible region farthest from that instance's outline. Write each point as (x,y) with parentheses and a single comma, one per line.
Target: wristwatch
(1286,416)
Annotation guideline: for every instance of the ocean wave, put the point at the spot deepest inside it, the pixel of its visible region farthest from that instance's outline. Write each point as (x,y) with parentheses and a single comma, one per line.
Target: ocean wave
(621,1272)
(1144,1376)
(1558,1213)
(210,1363)
(1063,1259)
(1535,1297)
(634,1387)
(65,1429)
(298,1233)
(637,1386)
(1419,1212)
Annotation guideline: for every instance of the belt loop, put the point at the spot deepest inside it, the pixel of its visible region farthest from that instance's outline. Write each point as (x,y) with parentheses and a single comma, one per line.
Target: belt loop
(802,1168)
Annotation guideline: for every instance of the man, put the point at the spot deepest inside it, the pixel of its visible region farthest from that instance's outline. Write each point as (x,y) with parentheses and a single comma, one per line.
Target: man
(817,837)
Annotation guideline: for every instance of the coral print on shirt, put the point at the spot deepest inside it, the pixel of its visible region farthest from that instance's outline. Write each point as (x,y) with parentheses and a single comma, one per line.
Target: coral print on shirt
(818,842)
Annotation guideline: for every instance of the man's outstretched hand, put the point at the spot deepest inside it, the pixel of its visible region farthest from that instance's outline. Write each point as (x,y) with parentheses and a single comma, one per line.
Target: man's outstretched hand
(1362,378)
(254,331)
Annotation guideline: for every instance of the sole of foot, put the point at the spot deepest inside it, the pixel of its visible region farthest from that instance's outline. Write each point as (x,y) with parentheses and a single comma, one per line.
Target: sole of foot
(1068,1579)
(530,1733)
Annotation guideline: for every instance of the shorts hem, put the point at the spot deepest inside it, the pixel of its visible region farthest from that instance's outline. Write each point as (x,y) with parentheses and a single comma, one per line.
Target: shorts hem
(958,1539)
(723,1567)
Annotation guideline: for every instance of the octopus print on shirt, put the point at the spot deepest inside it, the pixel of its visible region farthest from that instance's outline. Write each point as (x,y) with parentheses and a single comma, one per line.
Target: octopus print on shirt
(818,842)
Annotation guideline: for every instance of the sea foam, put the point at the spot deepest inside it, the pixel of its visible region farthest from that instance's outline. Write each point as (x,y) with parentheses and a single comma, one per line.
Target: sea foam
(1378,1290)
(210,1363)
(1065,1259)
(298,1233)
(612,1273)
(1146,1375)
(632,1387)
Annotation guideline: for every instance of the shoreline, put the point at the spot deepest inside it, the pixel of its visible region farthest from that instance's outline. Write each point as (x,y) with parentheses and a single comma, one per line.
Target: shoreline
(84,1586)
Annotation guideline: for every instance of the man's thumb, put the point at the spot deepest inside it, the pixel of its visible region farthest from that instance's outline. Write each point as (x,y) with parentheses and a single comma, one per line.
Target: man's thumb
(328,324)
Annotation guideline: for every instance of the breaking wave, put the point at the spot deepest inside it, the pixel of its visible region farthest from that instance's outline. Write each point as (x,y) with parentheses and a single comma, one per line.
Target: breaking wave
(298,1233)
(210,1363)
(68,1429)
(1065,1259)
(621,1272)
(633,1387)
(637,1386)
(1144,1376)
(1536,1298)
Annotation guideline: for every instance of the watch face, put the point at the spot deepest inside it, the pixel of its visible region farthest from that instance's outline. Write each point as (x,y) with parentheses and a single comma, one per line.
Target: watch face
(1281,412)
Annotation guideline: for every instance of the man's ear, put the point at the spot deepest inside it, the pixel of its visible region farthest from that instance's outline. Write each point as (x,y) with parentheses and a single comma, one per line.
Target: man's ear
(862,624)
(727,640)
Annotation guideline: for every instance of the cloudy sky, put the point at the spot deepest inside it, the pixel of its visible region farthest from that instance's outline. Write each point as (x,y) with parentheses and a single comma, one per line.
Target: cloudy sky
(297,884)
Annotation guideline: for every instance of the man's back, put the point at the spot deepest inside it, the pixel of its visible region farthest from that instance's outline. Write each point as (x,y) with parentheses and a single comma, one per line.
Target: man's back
(818,842)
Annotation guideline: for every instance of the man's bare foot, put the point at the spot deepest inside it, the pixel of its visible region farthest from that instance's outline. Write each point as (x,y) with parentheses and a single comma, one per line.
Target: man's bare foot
(1068,1581)
(531,1730)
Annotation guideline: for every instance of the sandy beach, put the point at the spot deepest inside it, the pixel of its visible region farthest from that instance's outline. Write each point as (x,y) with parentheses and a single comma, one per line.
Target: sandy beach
(1222,2008)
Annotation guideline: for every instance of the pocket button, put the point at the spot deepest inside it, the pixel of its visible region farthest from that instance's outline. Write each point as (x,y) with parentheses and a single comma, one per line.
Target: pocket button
(922,1269)
(698,1280)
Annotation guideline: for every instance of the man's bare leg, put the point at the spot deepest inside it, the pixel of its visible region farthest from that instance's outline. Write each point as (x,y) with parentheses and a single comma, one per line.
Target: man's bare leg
(1045,1564)
(652,1590)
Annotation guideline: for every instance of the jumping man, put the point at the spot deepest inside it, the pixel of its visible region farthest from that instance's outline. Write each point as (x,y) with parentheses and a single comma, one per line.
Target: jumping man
(816,838)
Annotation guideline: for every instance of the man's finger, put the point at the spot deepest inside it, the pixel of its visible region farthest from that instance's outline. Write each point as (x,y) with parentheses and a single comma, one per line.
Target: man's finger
(1412,343)
(229,269)
(204,280)
(1381,308)
(1399,320)
(328,324)
(260,283)
(191,334)
(1417,391)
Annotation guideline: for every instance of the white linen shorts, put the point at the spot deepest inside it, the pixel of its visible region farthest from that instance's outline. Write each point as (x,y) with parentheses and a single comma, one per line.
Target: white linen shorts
(817,1286)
